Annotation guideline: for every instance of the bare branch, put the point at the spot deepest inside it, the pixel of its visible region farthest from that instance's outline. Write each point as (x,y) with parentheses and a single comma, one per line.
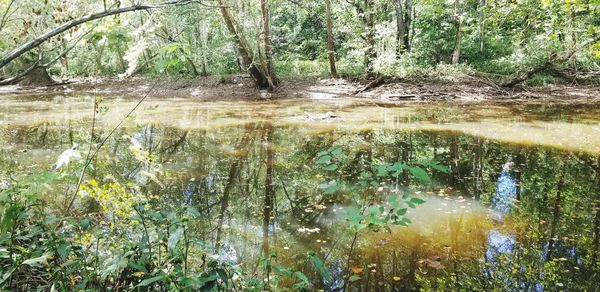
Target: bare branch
(5,15)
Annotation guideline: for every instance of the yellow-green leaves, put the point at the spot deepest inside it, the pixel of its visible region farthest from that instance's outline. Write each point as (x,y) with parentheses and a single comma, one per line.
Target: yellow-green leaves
(113,197)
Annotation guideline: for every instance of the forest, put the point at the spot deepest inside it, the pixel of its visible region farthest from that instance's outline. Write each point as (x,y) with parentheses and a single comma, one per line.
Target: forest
(299,145)
(505,42)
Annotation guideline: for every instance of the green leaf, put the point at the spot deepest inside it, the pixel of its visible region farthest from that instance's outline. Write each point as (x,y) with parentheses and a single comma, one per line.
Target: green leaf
(10,217)
(282,270)
(318,264)
(175,237)
(401,212)
(373,210)
(435,165)
(151,280)
(417,201)
(330,167)
(330,187)
(336,151)
(324,159)
(207,278)
(63,249)
(381,170)
(354,278)
(420,173)
(301,276)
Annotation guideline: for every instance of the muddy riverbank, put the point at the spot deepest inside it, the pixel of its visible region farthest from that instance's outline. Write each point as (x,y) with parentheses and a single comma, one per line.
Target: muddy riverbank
(236,87)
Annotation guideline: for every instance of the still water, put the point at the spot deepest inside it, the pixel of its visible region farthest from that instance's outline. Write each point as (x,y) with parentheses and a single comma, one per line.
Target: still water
(519,209)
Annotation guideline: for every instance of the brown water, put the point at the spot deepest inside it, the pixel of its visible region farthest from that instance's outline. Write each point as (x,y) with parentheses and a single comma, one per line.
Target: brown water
(216,152)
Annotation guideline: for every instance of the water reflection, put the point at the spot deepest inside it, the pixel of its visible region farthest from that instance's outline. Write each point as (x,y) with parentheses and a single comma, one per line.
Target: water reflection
(256,188)
(500,242)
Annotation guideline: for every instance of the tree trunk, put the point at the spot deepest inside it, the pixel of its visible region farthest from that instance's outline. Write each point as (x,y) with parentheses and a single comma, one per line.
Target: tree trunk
(400,27)
(269,190)
(38,66)
(458,36)
(244,50)
(37,77)
(555,217)
(370,26)
(596,224)
(403,25)
(17,52)
(270,73)
(330,44)
(481,26)
(234,170)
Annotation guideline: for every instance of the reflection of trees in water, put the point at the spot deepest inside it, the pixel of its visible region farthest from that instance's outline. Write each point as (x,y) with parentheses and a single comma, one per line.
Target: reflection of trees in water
(225,174)
(500,242)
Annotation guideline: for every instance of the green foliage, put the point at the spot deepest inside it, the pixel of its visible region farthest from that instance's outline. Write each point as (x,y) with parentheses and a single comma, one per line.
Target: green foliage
(498,37)
(367,213)
(79,253)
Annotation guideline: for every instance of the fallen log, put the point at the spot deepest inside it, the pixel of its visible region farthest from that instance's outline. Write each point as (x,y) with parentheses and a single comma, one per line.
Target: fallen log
(374,84)
(552,60)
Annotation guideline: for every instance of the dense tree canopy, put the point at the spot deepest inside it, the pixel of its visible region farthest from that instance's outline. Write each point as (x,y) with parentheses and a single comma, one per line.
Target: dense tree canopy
(401,38)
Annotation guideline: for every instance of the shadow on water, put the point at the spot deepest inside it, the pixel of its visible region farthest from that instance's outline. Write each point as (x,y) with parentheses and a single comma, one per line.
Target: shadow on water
(533,225)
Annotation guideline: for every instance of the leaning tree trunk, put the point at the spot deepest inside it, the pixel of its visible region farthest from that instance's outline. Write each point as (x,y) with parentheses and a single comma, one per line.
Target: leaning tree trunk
(28,76)
(330,44)
(26,47)
(244,50)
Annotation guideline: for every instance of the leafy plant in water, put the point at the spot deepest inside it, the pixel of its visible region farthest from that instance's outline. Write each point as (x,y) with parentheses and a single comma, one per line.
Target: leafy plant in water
(374,179)
(376,182)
